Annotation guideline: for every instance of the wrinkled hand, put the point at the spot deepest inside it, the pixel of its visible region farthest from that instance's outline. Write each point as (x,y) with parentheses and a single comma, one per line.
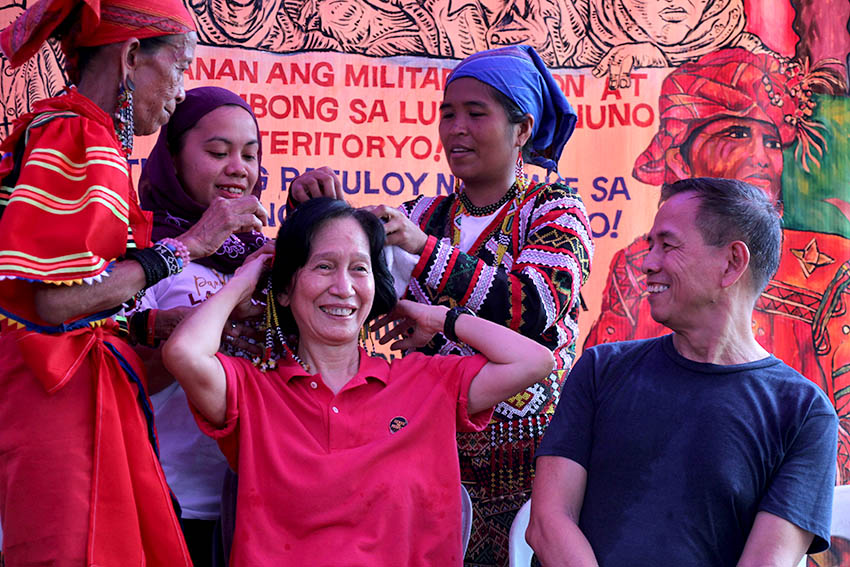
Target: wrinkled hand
(415,324)
(245,282)
(267,248)
(621,60)
(322,182)
(167,320)
(401,231)
(221,219)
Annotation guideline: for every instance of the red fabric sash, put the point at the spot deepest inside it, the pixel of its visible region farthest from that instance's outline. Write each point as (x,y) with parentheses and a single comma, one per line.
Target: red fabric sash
(132,517)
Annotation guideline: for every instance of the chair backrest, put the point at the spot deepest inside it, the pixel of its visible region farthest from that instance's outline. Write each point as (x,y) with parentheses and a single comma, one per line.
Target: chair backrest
(465,516)
(840,516)
(519,551)
(841,512)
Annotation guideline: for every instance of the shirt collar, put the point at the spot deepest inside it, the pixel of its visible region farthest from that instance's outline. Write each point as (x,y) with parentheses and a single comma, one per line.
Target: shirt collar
(370,367)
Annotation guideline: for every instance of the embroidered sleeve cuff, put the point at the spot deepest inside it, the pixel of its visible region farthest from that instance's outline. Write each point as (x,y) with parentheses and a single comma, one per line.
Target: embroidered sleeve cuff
(425,257)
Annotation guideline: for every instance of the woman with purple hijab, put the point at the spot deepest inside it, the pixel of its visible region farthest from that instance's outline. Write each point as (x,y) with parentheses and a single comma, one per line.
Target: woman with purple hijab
(204,164)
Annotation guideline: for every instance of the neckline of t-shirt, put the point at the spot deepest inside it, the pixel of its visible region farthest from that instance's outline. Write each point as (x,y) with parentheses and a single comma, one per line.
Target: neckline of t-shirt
(711,368)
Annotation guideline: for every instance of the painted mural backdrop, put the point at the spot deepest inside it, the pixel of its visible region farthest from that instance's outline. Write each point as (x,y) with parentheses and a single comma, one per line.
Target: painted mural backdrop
(752,89)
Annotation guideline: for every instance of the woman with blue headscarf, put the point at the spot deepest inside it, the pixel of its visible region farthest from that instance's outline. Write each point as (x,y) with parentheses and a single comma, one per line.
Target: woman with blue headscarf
(505,248)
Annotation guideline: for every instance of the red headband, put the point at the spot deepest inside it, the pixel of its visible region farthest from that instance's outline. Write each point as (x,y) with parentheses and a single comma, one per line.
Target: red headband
(100,22)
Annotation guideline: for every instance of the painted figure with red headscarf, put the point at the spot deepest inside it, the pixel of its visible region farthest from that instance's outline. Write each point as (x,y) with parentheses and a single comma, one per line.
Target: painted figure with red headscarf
(80,481)
(731,114)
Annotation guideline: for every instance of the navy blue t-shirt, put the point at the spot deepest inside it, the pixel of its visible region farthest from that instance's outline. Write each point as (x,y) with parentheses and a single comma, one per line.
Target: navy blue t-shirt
(681,455)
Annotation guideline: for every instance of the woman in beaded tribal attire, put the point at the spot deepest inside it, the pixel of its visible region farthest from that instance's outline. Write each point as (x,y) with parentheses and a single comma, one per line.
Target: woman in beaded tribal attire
(510,250)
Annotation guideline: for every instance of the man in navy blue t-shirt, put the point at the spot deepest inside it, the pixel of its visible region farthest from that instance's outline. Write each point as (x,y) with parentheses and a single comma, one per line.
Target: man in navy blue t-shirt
(698,448)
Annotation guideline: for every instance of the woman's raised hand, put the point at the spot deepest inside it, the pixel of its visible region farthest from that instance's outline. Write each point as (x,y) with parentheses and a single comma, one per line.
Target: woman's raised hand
(321,182)
(247,276)
(221,219)
(401,231)
(415,324)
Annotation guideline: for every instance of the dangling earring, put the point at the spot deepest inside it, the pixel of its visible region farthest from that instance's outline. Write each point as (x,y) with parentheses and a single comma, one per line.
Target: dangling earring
(364,335)
(458,184)
(124,115)
(273,331)
(521,177)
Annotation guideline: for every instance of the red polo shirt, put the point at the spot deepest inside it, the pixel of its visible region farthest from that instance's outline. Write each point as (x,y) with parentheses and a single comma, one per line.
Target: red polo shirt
(368,476)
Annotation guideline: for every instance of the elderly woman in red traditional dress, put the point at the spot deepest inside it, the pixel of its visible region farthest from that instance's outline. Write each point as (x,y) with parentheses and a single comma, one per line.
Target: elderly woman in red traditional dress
(80,482)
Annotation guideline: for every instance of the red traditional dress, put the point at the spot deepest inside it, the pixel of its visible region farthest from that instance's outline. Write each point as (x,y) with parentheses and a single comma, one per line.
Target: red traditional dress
(80,482)
(802,317)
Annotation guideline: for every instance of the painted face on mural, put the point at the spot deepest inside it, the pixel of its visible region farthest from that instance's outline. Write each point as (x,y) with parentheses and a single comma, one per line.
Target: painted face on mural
(666,22)
(739,148)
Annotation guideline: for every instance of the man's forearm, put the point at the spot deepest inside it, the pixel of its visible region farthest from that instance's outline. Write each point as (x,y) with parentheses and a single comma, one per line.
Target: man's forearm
(558,542)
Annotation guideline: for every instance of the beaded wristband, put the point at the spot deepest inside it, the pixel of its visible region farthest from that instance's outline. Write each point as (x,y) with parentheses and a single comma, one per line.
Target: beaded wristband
(451,319)
(158,262)
(175,265)
(137,327)
(179,249)
(153,263)
(152,341)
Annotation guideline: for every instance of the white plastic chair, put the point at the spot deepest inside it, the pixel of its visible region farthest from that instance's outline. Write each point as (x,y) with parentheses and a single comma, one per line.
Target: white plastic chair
(519,551)
(840,516)
(465,516)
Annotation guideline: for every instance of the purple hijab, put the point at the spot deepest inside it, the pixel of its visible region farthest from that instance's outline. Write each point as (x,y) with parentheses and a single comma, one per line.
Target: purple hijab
(160,191)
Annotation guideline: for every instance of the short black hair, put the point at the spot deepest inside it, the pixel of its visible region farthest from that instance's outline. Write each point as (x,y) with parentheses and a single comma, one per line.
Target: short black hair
(293,245)
(731,210)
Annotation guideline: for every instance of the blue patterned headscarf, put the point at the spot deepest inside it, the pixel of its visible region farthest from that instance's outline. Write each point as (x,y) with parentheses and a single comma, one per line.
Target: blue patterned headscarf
(519,73)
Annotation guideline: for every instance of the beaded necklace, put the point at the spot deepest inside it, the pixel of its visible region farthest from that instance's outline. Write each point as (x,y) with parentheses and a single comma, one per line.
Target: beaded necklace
(486,210)
(503,237)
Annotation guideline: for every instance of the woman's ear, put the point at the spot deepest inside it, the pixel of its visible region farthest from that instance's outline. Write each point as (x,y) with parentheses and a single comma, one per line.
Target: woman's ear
(130,51)
(524,130)
(283,298)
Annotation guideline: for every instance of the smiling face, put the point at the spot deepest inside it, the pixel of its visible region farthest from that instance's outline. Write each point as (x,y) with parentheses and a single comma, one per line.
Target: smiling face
(331,295)
(158,76)
(218,156)
(739,148)
(481,145)
(683,273)
(666,22)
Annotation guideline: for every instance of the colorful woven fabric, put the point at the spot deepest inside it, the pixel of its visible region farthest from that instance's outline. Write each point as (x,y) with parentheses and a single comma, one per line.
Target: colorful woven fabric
(72,210)
(534,290)
(93,491)
(99,23)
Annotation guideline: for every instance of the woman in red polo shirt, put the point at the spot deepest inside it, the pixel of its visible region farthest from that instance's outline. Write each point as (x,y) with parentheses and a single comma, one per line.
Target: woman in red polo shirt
(342,455)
